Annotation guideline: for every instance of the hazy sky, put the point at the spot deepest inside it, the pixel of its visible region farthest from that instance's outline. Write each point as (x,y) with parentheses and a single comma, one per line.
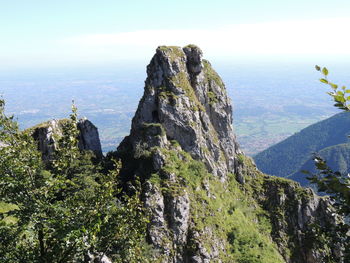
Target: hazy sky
(45,32)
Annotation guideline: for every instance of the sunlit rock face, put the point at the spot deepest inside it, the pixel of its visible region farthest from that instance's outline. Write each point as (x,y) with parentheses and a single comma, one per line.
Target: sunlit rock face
(187,97)
(196,181)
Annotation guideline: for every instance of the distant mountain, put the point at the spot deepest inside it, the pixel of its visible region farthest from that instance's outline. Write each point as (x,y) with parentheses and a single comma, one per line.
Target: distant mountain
(337,157)
(328,138)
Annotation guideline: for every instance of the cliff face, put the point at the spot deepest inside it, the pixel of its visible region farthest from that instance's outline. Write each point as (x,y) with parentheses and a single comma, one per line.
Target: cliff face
(89,138)
(302,223)
(186,96)
(47,133)
(207,201)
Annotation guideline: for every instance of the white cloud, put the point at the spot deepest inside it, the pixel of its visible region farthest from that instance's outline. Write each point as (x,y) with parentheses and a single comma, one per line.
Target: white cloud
(326,36)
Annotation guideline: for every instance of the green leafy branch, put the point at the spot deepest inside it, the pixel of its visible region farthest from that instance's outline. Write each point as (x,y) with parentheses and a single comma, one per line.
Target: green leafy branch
(335,184)
(340,94)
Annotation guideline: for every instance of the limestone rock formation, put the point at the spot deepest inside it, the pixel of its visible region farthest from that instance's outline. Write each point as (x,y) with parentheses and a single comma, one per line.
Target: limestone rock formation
(89,138)
(47,133)
(189,99)
(299,218)
(207,200)
(43,134)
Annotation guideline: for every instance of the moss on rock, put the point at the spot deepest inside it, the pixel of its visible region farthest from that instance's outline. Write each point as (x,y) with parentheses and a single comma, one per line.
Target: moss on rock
(222,213)
(173,52)
(181,80)
(211,74)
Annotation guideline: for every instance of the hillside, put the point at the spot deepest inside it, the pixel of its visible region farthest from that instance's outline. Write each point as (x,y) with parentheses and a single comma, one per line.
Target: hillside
(287,157)
(337,157)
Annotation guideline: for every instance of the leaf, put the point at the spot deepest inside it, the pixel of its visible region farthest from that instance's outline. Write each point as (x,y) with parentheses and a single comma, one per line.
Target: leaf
(339,98)
(325,71)
(338,104)
(318,68)
(324,81)
(334,86)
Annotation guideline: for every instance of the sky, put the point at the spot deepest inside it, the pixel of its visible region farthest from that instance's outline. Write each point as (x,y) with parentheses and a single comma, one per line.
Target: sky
(41,33)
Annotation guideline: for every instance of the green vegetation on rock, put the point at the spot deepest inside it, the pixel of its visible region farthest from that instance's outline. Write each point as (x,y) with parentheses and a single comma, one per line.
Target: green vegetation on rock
(173,52)
(181,80)
(279,199)
(167,95)
(226,209)
(211,74)
(192,46)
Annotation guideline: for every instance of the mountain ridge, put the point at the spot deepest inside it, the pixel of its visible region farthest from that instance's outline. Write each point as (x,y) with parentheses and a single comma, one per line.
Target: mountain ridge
(197,184)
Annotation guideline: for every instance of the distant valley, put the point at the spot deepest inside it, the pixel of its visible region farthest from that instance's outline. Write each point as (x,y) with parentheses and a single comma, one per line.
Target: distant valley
(271,102)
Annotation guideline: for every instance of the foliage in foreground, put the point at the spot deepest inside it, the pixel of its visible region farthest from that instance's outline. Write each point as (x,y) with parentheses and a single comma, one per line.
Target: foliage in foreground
(68,212)
(335,184)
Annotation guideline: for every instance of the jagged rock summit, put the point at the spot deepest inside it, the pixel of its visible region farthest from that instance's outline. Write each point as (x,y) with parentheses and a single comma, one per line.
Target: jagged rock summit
(207,201)
(188,98)
(47,133)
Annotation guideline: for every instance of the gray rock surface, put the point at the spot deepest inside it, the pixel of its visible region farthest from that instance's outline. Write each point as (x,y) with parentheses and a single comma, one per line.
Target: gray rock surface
(97,258)
(46,135)
(187,97)
(185,108)
(184,101)
(89,138)
(296,217)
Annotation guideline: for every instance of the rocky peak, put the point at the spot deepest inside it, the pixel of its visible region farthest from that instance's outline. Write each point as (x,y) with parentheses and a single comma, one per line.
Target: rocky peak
(89,138)
(44,134)
(188,99)
(183,149)
(47,133)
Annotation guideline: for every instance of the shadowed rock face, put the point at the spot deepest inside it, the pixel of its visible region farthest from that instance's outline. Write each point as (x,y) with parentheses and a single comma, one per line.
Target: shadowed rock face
(89,138)
(296,217)
(187,97)
(45,134)
(185,111)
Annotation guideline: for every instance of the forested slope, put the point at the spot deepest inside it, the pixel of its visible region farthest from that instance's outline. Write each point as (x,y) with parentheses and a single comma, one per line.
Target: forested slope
(288,156)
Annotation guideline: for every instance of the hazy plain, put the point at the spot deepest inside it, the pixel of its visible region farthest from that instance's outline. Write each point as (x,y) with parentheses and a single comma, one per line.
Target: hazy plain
(272,98)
